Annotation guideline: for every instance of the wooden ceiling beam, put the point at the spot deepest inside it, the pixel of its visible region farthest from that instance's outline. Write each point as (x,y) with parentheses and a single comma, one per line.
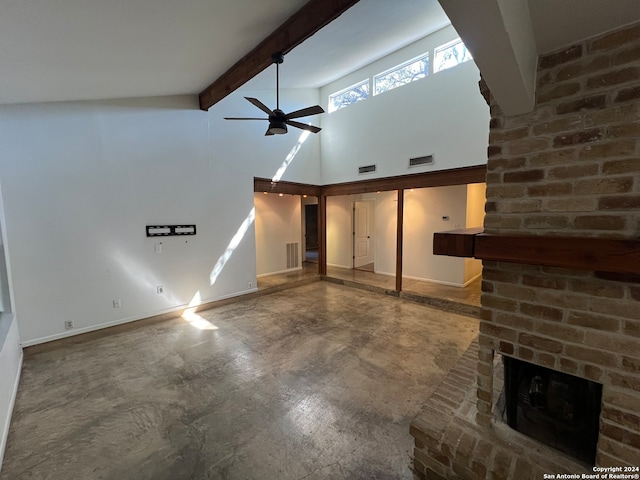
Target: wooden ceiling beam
(314,15)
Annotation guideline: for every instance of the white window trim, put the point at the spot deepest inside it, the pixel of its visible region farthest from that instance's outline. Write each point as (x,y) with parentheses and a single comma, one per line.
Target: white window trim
(426,54)
(445,46)
(366,81)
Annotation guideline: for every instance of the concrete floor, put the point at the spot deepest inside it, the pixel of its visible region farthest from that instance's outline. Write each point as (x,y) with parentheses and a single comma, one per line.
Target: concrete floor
(469,295)
(318,381)
(444,296)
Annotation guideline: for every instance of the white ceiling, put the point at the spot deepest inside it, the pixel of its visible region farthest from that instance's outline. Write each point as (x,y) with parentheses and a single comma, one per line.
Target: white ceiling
(94,49)
(99,49)
(366,32)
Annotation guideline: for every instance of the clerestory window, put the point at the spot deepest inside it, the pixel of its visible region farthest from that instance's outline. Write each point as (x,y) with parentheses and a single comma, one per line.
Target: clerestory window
(402,74)
(349,96)
(450,54)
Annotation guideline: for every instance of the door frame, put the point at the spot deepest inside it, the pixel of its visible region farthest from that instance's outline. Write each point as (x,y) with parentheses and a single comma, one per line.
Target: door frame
(371,227)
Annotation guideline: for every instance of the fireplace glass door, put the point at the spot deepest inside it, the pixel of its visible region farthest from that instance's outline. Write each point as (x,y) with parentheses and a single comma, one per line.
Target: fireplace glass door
(557,409)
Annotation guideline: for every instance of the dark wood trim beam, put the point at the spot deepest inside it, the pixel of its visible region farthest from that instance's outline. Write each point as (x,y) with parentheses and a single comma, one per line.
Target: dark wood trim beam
(456,243)
(291,188)
(399,240)
(441,178)
(605,256)
(314,15)
(595,254)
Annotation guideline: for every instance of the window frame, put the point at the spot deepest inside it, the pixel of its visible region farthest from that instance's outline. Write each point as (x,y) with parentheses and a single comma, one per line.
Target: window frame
(446,46)
(426,55)
(366,81)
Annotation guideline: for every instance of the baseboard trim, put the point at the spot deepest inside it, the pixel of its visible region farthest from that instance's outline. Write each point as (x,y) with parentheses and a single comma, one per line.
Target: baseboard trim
(288,270)
(158,316)
(473,279)
(440,282)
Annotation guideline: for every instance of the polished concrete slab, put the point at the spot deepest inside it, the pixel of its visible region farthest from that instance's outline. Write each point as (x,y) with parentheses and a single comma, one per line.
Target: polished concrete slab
(469,295)
(317,381)
(308,270)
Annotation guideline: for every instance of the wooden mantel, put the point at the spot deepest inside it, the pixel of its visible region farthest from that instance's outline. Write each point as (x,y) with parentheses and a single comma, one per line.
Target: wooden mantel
(581,253)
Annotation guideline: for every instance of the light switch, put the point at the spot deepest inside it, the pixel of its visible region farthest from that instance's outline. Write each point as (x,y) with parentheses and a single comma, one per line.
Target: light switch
(157,248)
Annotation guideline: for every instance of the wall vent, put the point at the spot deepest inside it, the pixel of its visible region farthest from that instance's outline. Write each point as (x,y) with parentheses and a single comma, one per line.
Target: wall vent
(417,161)
(367,169)
(292,255)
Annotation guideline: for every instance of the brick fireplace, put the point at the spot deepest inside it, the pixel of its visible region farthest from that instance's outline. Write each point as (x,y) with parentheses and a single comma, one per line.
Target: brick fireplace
(570,170)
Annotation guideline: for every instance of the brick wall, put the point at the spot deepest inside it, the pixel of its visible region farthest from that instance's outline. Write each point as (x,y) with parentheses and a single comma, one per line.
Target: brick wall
(572,168)
(569,168)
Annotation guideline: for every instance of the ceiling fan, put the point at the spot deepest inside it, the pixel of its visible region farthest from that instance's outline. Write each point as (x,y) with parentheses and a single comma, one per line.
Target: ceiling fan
(278,120)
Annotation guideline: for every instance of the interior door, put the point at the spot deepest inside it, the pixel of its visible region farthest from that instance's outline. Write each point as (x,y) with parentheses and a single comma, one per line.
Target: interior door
(362,232)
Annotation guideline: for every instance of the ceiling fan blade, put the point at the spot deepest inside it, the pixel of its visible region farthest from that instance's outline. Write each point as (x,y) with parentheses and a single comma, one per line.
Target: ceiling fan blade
(305,111)
(260,105)
(303,126)
(244,118)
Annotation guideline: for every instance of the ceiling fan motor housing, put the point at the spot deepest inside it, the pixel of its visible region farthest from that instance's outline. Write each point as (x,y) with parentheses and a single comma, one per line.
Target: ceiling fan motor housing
(278,120)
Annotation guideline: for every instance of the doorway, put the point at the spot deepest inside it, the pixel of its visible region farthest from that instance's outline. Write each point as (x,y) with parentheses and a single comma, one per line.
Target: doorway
(311,232)
(363,241)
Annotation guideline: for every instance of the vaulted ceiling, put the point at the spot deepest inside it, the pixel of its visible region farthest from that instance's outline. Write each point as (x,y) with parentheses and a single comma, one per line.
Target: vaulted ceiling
(99,49)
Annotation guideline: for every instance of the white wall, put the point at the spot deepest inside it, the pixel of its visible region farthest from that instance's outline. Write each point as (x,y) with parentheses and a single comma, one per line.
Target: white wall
(10,363)
(386,225)
(81,181)
(278,222)
(10,350)
(424,209)
(339,231)
(476,198)
(443,115)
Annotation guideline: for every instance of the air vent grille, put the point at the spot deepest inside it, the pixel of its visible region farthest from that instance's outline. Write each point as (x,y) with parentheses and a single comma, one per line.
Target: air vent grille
(418,161)
(367,169)
(292,255)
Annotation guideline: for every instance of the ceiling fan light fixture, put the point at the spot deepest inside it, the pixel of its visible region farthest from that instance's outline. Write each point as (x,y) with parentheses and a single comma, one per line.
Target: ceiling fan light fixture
(278,120)
(277,127)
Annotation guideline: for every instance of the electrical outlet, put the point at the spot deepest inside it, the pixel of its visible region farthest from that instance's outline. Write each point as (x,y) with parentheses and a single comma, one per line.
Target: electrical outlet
(159,289)
(117,303)
(68,324)
(250,285)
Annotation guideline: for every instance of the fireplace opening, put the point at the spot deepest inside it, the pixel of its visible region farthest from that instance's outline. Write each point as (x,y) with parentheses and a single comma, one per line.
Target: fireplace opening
(557,409)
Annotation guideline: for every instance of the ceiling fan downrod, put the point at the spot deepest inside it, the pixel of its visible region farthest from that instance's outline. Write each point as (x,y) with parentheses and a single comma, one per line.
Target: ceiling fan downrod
(278,120)
(277,58)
